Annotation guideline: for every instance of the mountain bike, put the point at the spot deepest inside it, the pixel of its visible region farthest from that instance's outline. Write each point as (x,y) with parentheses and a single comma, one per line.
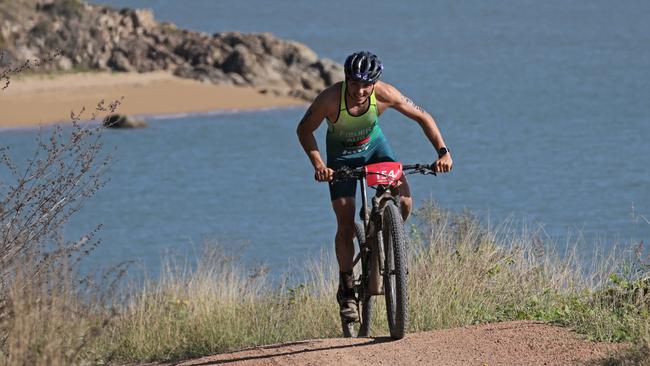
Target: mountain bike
(381,262)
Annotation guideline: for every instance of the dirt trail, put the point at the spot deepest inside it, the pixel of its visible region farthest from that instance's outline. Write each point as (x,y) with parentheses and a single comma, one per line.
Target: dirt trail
(508,343)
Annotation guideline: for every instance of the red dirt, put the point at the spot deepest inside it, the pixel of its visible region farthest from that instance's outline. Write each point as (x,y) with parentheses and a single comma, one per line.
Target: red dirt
(508,343)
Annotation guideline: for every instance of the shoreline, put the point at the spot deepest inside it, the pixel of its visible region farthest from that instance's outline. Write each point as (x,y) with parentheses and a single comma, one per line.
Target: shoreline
(36,100)
(146,116)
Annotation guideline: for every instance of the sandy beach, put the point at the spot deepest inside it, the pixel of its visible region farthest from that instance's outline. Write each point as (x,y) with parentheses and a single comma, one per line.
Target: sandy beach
(43,99)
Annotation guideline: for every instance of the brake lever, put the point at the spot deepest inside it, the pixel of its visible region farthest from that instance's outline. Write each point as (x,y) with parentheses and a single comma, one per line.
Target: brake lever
(342,174)
(430,170)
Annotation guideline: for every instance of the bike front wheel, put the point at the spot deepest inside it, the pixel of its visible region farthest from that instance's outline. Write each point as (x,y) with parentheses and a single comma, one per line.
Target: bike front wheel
(395,272)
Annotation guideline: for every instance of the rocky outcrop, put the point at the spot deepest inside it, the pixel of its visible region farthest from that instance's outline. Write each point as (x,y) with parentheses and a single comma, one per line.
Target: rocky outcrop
(93,37)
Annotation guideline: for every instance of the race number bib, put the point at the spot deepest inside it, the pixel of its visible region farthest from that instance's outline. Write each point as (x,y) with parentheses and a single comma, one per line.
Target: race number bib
(383,173)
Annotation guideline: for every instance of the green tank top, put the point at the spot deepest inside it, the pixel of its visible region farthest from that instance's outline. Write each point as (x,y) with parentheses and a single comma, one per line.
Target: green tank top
(351,134)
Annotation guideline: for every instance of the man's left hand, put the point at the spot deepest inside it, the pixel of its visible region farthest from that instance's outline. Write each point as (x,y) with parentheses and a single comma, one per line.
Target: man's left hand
(443,164)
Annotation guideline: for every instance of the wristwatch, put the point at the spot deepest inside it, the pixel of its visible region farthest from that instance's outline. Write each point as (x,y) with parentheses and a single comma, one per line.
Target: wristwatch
(443,151)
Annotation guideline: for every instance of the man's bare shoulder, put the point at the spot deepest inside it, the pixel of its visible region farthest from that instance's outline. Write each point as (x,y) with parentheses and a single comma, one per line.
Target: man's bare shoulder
(327,102)
(386,93)
(329,95)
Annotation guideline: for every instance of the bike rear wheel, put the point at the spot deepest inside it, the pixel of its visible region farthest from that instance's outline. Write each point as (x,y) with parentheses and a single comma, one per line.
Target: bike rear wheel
(364,303)
(395,272)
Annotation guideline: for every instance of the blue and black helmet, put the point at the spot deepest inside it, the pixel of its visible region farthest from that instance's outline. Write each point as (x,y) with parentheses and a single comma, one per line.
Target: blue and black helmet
(363,66)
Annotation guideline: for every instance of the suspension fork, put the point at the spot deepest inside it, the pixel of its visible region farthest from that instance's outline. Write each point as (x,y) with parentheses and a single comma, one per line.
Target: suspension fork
(364,204)
(379,202)
(365,220)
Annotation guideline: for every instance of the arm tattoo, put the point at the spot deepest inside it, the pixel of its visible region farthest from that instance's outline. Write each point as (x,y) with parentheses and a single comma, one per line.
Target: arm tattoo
(411,103)
(306,116)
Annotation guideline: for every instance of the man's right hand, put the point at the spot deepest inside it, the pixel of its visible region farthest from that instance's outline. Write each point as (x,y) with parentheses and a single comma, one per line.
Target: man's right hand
(323,174)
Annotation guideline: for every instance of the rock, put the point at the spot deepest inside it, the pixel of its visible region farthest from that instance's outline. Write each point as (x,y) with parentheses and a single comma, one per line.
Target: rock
(64,63)
(164,58)
(310,81)
(120,62)
(298,53)
(197,51)
(275,91)
(203,73)
(138,52)
(24,53)
(143,18)
(126,22)
(243,62)
(100,61)
(122,121)
(237,79)
(330,71)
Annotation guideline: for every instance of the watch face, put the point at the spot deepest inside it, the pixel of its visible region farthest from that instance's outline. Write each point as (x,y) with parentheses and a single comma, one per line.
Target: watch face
(442,151)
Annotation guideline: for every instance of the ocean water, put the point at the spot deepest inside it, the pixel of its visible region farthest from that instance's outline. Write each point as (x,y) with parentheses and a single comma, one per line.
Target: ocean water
(545,106)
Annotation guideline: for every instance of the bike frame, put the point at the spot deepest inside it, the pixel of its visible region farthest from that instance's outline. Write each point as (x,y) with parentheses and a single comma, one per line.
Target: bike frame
(372,221)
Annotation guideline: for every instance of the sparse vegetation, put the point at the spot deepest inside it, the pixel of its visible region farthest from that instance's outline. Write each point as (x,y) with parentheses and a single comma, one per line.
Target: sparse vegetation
(41,288)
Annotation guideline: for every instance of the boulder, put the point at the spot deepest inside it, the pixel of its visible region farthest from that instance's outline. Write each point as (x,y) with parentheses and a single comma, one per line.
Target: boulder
(243,62)
(143,18)
(330,71)
(122,121)
(295,52)
(64,63)
(203,73)
(119,62)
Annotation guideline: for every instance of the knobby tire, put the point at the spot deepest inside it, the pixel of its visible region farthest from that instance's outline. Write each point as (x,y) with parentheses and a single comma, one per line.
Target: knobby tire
(395,272)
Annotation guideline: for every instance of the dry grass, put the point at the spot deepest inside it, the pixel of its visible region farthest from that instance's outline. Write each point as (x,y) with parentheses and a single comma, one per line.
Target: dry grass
(215,307)
(49,313)
(46,320)
(460,273)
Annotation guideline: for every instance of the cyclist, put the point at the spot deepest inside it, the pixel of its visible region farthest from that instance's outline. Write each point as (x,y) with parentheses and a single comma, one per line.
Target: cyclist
(354,139)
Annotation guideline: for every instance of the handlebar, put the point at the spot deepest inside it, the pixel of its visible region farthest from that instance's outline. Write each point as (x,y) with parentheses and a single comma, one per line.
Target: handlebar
(345,173)
(419,168)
